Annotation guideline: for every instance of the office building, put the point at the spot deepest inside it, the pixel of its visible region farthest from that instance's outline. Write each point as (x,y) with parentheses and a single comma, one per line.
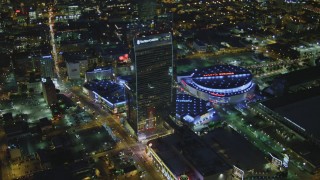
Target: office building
(107,93)
(147,9)
(47,67)
(150,94)
(49,91)
(98,74)
(77,64)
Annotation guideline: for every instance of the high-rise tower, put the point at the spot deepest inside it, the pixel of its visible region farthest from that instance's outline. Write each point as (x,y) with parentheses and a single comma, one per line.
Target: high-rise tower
(47,67)
(151,94)
(49,91)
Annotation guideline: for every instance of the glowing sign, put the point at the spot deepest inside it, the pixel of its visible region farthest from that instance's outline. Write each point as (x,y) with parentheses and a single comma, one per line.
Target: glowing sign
(99,69)
(124,58)
(147,40)
(46,57)
(184,100)
(219,74)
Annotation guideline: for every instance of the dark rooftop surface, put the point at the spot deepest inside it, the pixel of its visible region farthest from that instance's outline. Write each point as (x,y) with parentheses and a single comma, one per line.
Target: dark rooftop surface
(240,151)
(109,90)
(301,76)
(74,56)
(302,108)
(304,113)
(189,105)
(203,158)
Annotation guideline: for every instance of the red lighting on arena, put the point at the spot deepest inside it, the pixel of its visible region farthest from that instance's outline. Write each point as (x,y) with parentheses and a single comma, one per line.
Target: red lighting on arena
(219,74)
(215,94)
(183,82)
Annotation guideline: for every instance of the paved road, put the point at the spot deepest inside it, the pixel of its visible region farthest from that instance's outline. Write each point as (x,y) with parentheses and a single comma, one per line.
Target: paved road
(126,142)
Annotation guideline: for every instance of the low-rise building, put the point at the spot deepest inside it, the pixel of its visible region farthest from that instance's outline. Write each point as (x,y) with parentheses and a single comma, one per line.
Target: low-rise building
(108,93)
(177,156)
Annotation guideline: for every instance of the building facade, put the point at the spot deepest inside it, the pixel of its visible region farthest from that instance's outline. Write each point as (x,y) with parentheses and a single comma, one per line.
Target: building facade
(47,67)
(77,69)
(150,94)
(99,74)
(219,83)
(49,91)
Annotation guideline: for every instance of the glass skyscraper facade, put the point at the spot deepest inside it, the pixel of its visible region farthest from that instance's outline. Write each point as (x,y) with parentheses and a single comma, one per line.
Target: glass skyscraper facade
(151,93)
(47,67)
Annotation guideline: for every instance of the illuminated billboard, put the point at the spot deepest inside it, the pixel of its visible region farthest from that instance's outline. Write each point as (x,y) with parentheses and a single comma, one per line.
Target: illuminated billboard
(153,40)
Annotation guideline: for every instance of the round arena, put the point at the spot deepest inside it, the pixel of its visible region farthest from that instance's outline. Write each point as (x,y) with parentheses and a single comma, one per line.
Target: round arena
(220,83)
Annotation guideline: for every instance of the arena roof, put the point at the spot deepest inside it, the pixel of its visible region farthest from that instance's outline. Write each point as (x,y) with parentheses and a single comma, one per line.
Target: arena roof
(221,80)
(189,105)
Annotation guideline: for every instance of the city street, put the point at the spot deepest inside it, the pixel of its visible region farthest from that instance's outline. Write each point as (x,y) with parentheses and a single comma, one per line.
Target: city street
(126,142)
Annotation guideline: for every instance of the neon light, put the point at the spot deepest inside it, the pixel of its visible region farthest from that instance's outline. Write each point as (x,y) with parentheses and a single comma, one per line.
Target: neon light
(215,94)
(99,70)
(219,74)
(183,82)
(17,11)
(46,57)
(184,100)
(295,124)
(212,74)
(127,86)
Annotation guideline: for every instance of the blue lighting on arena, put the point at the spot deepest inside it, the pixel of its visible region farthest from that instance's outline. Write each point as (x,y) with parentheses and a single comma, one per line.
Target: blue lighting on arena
(220,80)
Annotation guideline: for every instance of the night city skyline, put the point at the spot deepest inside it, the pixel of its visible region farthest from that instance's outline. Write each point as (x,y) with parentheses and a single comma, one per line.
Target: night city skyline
(159,89)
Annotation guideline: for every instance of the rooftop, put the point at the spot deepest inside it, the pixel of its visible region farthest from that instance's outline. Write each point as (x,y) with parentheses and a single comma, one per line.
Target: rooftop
(109,90)
(189,105)
(204,159)
(242,153)
(296,106)
(221,80)
(74,56)
(301,76)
